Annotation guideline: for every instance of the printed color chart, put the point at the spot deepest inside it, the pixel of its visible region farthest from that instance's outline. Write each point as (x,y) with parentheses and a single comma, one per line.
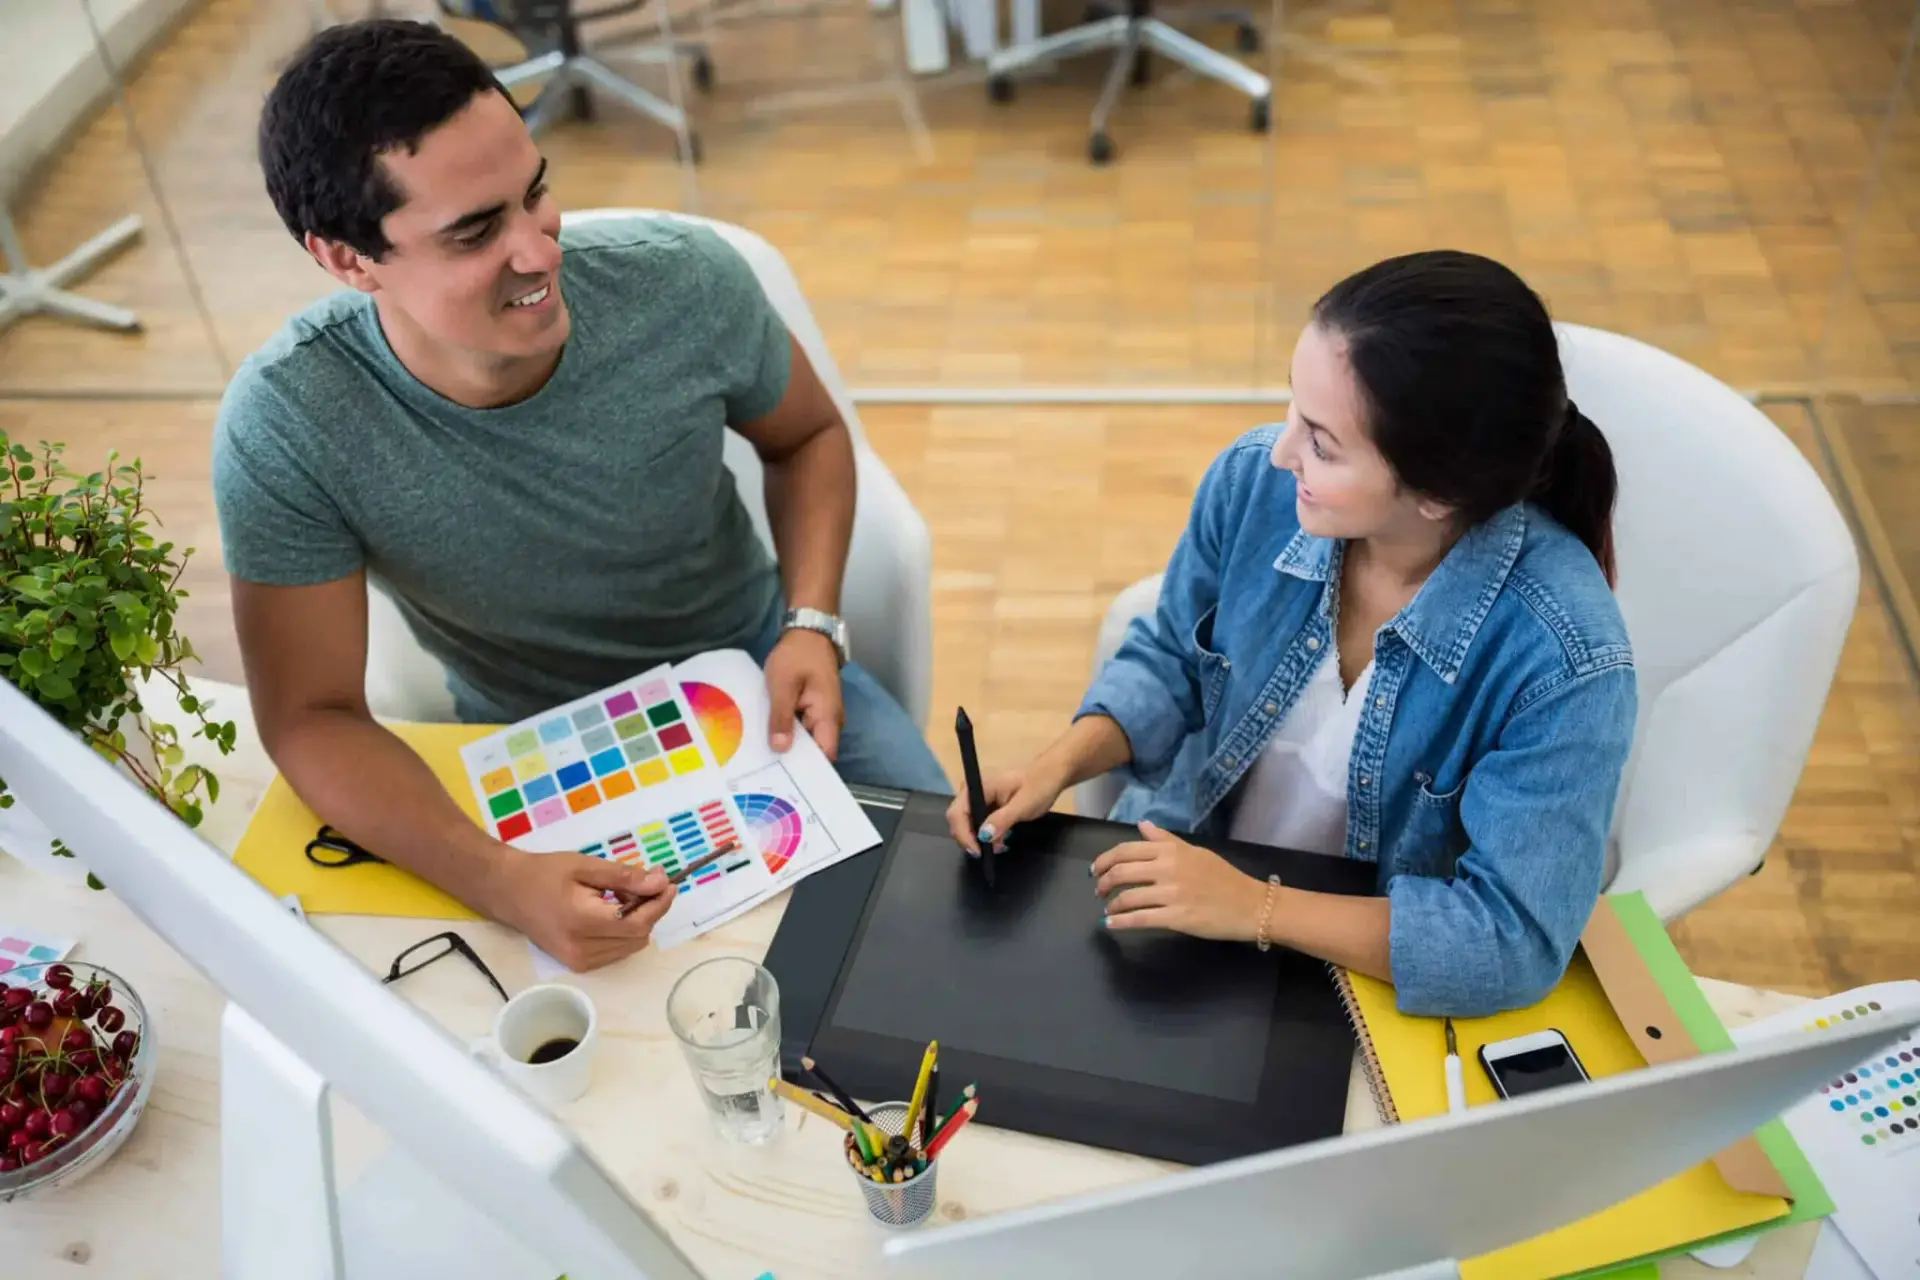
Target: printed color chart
(719,717)
(20,951)
(775,825)
(676,840)
(1879,1100)
(617,743)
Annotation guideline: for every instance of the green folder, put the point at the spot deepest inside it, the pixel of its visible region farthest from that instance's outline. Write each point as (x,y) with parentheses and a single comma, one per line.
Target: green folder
(1810,1198)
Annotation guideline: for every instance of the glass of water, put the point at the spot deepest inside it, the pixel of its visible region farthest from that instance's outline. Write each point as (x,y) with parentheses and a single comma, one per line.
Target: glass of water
(727,1014)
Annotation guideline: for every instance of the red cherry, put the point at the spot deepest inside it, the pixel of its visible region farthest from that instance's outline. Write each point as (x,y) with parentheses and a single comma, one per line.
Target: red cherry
(87,1059)
(81,1110)
(126,1044)
(8,1016)
(110,1019)
(101,993)
(8,1164)
(19,1139)
(54,1085)
(9,1059)
(12,1115)
(59,977)
(76,1039)
(64,1125)
(38,1016)
(8,1035)
(38,1125)
(16,998)
(66,1003)
(92,1088)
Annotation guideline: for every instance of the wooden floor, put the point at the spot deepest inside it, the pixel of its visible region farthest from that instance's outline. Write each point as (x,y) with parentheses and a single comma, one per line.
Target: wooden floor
(1684,170)
(1040,515)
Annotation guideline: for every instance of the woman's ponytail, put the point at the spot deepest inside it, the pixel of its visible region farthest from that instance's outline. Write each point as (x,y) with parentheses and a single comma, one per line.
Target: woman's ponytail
(1577,485)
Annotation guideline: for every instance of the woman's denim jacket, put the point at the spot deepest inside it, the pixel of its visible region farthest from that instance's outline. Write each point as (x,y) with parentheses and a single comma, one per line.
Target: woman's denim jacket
(1489,751)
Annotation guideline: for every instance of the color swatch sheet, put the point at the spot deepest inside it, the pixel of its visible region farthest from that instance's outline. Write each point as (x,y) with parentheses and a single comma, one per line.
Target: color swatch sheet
(661,770)
(24,953)
(1862,1129)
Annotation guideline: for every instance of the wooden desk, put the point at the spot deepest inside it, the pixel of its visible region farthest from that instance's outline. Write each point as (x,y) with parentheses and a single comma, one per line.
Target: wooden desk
(790,1207)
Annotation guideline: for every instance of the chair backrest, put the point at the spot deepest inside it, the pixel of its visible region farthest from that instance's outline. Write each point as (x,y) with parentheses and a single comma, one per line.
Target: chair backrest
(1738,580)
(886,596)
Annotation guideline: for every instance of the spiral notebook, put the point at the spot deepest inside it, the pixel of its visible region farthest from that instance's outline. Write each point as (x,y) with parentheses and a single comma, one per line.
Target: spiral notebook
(1627,1000)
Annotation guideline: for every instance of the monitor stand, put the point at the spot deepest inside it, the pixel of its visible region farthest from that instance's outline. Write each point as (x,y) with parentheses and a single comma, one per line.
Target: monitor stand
(282,1217)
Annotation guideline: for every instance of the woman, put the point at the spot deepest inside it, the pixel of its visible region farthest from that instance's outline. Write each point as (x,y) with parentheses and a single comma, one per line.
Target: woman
(1388,632)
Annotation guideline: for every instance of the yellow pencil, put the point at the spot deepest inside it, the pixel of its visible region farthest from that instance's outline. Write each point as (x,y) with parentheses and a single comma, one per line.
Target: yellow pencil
(801,1098)
(920,1087)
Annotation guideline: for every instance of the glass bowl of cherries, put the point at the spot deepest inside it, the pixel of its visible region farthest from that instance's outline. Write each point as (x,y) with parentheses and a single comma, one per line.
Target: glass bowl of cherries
(75,1071)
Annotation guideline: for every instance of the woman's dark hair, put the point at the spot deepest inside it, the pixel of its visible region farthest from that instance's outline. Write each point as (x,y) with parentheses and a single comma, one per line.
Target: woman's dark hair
(1460,370)
(351,93)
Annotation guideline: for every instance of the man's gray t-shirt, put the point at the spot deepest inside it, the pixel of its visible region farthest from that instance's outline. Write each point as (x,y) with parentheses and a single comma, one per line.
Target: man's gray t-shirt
(544,549)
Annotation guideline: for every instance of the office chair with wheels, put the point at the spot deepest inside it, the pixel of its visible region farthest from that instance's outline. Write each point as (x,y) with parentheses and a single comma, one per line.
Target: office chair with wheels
(1738,581)
(553,27)
(1130,35)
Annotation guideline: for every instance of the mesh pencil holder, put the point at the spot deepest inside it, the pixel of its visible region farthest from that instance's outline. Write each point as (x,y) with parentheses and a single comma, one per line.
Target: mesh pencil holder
(895,1204)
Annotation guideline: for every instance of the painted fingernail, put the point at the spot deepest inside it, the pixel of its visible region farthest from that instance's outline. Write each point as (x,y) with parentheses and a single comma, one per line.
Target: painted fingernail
(986,833)
(1089,870)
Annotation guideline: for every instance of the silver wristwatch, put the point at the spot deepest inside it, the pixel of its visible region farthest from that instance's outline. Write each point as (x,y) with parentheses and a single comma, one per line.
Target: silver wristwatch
(832,627)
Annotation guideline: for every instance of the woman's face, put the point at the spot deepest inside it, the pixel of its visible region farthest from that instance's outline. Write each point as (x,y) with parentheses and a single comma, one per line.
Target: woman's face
(1346,489)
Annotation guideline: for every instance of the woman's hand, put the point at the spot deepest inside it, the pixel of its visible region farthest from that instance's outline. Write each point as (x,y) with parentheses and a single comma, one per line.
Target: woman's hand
(1013,795)
(1162,882)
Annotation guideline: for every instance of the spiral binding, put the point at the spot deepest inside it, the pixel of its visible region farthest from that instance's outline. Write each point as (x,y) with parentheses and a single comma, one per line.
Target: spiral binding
(1369,1059)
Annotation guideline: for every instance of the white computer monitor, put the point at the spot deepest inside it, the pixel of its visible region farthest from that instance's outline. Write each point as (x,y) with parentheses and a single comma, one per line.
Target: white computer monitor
(1400,1201)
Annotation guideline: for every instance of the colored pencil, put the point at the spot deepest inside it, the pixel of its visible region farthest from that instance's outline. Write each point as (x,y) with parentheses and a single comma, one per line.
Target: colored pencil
(924,1118)
(920,1085)
(846,1099)
(954,1110)
(953,1126)
(807,1102)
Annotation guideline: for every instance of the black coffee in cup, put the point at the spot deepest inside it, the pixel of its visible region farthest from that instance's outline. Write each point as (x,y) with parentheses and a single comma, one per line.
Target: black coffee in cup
(553,1050)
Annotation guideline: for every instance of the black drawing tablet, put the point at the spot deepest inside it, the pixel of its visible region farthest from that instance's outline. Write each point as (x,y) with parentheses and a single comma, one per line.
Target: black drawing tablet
(1147,1042)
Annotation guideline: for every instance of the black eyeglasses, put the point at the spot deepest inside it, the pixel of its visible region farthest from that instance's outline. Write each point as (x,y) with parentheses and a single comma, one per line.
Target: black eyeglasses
(439,947)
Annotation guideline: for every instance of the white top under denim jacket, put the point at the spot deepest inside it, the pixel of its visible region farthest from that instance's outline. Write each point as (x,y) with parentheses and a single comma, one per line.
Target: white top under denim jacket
(1490,743)
(1295,795)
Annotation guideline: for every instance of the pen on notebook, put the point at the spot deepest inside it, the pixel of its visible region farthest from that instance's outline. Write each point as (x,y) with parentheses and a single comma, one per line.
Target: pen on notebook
(976,790)
(1456,1086)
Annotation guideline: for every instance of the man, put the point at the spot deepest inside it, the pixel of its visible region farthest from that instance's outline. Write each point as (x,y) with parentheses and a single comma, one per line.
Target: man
(519,432)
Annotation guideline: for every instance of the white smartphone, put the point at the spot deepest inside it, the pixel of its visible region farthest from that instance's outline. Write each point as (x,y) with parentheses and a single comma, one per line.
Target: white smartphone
(1530,1063)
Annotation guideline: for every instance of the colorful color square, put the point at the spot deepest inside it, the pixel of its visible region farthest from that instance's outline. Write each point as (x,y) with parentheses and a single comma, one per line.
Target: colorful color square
(622,704)
(540,788)
(583,798)
(632,726)
(558,729)
(505,803)
(530,766)
(548,812)
(663,713)
(5,964)
(573,775)
(515,827)
(617,784)
(642,749)
(497,781)
(686,760)
(16,945)
(521,741)
(596,739)
(651,772)
(587,717)
(608,762)
(654,691)
(675,736)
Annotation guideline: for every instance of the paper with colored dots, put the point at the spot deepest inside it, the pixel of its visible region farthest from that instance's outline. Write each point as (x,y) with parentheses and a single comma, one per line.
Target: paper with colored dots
(1861,1130)
(23,953)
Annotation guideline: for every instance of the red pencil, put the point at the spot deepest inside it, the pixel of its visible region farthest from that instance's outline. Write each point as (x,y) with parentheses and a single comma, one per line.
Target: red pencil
(951,1127)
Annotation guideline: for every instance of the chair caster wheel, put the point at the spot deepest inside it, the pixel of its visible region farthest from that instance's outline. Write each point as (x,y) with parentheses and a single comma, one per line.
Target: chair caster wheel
(1099,148)
(1247,39)
(1000,88)
(689,150)
(703,73)
(1261,117)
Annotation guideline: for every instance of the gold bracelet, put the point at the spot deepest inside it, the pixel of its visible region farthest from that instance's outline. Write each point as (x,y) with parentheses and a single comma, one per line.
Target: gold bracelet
(1266,911)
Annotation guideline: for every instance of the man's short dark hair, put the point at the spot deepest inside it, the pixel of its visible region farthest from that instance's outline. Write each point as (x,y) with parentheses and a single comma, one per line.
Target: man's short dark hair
(352,93)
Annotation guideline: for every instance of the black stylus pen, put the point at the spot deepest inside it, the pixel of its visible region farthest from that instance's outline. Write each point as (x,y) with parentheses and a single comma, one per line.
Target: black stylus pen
(976,791)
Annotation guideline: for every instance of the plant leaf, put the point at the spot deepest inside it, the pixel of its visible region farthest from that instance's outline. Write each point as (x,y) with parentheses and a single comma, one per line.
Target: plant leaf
(54,686)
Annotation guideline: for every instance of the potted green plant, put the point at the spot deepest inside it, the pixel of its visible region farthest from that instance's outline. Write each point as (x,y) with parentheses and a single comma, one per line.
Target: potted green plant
(88,599)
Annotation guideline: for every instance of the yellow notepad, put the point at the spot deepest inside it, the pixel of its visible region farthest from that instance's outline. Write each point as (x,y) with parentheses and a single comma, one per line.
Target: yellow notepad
(1405,1056)
(273,849)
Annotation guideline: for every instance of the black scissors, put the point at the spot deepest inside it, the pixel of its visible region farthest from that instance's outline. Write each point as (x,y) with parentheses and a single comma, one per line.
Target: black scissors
(339,851)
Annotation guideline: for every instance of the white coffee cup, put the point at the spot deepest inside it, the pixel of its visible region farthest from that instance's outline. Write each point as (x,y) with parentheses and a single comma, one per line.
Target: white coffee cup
(534,1020)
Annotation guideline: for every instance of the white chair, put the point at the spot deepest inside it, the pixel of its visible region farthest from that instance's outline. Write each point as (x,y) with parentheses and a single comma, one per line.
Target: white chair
(1738,579)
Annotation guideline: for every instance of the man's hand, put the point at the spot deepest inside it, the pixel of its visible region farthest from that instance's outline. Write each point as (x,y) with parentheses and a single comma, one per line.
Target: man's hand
(803,678)
(555,899)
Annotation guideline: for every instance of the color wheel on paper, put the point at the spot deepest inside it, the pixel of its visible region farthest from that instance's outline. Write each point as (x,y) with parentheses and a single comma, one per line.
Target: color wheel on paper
(719,717)
(776,827)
